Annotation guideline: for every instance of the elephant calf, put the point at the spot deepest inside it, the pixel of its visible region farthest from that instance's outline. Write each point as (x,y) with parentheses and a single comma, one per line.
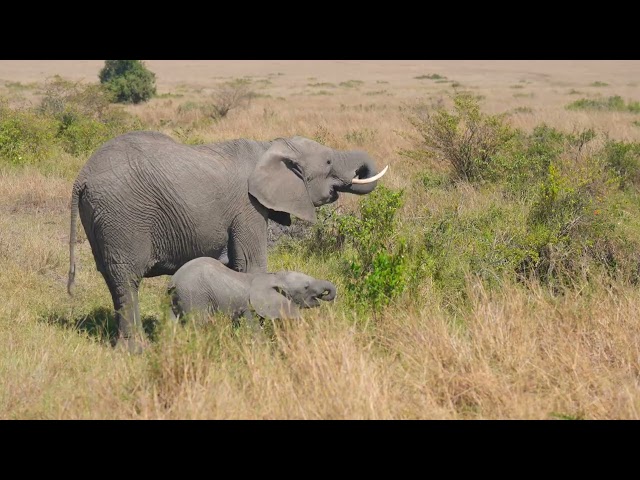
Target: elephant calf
(206,285)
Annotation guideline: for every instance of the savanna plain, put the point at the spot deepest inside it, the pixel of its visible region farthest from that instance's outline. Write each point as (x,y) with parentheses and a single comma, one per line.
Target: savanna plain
(494,273)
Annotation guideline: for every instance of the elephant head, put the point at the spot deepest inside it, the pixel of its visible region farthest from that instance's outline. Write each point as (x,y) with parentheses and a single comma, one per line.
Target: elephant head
(282,294)
(296,175)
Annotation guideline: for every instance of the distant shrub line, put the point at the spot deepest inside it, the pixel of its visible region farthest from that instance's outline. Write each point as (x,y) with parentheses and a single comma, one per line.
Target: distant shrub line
(615,103)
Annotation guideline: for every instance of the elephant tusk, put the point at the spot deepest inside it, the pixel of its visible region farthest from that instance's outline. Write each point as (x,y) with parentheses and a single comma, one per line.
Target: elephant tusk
(372,179)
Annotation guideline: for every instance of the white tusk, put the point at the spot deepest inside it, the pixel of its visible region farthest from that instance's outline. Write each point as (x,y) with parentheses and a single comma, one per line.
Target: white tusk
(372,179)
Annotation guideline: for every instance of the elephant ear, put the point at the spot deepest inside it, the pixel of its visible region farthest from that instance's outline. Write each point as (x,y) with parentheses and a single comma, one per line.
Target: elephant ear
(267,301)
(278,182)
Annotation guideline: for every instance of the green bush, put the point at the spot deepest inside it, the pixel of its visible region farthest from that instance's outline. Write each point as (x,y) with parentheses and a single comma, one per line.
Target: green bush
(129,80)
(624,159)
(375,264)
(478,243)
(372,254)
(26,138)
(62,96)
(465,138)
(84,115)
(569,228)
(525,160)
(71,117)
(324,237)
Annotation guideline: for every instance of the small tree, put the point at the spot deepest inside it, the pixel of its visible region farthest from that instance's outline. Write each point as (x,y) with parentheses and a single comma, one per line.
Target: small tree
(230,95)
(129,80)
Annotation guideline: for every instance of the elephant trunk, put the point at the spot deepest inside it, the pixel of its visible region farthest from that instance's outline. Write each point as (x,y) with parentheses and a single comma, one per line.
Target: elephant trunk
(330,290)
(362,177)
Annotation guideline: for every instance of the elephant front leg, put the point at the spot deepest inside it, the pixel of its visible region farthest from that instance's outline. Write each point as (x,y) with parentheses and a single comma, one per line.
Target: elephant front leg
(247,248)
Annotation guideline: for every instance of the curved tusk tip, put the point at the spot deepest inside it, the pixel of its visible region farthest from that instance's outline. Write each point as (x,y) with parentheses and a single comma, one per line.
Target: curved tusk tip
(372,179)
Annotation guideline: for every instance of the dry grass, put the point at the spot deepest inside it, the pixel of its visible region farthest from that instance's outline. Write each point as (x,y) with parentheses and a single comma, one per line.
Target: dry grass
(518,353)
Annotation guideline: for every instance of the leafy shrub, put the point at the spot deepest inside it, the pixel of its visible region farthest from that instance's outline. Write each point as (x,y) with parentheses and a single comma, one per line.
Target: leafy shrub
(477,243)
(375,271)
(324,237)
(84,114)
(465,138)
(624,159)
(62,96)
(543,146)
(71,117)
(129,80)
(525,160)
(568,225)
(25,137)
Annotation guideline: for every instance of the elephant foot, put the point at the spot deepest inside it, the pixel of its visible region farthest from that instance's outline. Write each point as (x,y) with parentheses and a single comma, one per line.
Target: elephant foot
(131,345)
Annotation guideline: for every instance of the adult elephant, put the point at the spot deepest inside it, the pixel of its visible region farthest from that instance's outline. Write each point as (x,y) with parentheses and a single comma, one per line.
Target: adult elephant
(149,204)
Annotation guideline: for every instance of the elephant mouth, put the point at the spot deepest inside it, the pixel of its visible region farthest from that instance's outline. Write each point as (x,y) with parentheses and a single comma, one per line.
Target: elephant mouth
(313,302)
(331,197)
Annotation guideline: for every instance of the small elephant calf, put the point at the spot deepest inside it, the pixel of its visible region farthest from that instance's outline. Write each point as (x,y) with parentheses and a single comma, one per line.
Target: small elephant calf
(206,285)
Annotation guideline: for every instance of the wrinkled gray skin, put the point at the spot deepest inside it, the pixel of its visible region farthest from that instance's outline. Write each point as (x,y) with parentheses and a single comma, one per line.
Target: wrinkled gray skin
(149,204)
(205,285)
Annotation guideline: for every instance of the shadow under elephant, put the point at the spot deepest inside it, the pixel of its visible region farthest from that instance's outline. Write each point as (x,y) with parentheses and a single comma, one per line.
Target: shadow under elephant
(99,323)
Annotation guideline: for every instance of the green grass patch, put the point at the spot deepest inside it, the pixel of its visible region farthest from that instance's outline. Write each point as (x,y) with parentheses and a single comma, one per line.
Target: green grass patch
(431,76)
(615,103)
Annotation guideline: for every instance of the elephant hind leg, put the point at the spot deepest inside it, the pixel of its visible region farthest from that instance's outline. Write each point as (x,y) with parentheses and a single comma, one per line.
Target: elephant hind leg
(123,284)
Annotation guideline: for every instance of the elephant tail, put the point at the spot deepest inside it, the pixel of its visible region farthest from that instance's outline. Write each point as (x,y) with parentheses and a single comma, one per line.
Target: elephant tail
(75,198)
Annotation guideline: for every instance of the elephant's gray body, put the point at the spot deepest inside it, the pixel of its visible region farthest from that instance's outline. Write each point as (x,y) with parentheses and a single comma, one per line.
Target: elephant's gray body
(149,204)
(175,214)
(205,285)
